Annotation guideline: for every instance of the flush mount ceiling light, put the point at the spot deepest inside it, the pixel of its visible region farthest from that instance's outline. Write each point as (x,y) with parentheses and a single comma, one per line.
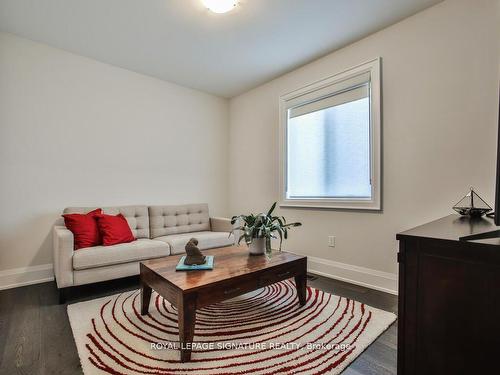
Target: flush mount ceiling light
(220,6)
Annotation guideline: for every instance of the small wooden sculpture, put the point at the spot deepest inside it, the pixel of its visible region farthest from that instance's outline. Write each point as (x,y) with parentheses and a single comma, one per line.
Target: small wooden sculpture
(193,253)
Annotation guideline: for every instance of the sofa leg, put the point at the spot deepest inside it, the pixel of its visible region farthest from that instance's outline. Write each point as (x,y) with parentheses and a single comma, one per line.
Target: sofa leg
(62,296)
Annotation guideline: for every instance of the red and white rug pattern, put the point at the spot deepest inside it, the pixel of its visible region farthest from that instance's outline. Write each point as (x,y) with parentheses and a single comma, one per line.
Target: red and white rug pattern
(263,332)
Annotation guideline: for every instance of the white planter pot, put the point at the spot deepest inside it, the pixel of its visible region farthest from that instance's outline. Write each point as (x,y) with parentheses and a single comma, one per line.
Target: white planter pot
(258,246)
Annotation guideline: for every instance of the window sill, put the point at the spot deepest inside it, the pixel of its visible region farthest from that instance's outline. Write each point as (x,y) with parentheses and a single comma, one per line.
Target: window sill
(356,206)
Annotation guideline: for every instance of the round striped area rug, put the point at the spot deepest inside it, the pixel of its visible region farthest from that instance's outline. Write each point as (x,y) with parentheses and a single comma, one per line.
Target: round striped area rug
(263,332)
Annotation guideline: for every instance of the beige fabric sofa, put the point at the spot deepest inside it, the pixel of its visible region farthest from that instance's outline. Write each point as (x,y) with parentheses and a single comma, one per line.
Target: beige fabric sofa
(159,231)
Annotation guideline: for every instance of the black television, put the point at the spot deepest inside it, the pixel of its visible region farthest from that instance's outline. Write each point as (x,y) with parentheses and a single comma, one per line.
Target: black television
(496,213)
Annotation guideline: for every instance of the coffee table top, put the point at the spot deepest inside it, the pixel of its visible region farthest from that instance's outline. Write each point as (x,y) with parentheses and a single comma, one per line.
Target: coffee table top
(229,262)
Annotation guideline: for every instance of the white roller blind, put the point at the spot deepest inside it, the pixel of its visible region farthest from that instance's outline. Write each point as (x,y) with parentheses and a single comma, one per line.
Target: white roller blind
(351,95)
(331,95)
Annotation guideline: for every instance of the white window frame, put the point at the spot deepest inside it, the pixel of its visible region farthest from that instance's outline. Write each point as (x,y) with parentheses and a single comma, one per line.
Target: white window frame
(321,88)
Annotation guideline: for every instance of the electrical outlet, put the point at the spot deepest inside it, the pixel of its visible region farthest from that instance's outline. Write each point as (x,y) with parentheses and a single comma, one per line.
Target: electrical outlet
(331,241)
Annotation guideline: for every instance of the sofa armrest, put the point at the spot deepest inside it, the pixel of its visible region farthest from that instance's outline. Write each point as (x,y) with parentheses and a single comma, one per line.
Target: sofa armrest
(63,256)
(220,224)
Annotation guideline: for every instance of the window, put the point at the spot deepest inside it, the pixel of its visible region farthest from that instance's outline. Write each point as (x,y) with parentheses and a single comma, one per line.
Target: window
(330,142)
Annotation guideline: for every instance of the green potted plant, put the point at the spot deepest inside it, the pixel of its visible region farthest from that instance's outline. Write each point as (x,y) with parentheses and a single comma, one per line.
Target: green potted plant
(260,228)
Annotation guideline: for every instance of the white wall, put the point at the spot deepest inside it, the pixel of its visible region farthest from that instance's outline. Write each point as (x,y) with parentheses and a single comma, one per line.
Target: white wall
(440,105)
(74,132)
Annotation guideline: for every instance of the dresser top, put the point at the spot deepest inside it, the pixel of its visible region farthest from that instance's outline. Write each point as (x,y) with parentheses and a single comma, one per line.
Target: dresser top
(453,227)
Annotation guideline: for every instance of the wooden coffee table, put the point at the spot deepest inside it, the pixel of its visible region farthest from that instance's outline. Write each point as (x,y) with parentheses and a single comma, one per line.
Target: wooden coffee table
(235,272)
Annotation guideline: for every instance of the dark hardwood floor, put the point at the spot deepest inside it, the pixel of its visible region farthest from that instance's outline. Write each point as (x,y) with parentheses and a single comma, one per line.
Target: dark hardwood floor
(380,357)
(36,338)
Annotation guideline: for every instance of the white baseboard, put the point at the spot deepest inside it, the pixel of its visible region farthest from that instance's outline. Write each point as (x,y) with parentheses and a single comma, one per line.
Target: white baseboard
(367,277)
(16,277)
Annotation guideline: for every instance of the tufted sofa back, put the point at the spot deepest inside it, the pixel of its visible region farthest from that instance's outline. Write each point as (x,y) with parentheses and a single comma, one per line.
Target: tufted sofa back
(137,217)
(165,220)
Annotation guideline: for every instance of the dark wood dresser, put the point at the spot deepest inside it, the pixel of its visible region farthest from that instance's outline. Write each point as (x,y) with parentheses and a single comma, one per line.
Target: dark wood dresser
(449,299)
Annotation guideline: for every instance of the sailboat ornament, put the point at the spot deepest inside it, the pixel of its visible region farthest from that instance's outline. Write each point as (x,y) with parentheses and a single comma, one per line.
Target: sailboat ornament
(472,205)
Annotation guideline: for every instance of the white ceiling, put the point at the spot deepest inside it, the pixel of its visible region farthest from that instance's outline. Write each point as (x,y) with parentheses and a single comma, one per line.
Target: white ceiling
(182,42)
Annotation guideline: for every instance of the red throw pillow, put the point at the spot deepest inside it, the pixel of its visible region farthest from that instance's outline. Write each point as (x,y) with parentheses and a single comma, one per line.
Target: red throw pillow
(114,229)
(84,228)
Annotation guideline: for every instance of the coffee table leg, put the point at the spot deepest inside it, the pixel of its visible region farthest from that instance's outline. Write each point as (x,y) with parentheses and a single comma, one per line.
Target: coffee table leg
(145,298)
(300,283)
(187,319)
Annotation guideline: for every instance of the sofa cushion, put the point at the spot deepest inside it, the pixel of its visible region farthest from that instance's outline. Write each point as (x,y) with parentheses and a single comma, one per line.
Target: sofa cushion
(100,256)
(207,240)
(167,220)
(137,217)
